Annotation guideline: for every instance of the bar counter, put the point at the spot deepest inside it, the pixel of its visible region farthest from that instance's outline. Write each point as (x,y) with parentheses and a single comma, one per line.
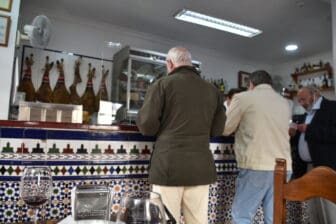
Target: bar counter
(116,155)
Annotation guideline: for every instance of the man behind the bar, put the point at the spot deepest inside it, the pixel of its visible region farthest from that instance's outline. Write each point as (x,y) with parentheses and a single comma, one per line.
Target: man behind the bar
(183,111)
(260,119)
(230,95)
(317,145)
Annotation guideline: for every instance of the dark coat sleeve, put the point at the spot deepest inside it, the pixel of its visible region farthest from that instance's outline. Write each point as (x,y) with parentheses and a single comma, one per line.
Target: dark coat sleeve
(148,118)
(218,122)
(321,135)
(322,129)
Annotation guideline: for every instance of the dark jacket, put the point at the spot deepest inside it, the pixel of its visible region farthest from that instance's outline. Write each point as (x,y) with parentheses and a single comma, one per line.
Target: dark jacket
(321,135)
(183,111)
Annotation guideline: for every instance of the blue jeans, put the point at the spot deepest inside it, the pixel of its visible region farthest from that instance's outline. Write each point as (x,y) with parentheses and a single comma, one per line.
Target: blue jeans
(253,188)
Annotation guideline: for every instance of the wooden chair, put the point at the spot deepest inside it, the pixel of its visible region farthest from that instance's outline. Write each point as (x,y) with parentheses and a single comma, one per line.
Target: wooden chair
(318,182)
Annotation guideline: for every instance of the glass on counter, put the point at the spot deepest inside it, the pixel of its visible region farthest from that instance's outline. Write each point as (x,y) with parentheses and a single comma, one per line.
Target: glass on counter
(36,188)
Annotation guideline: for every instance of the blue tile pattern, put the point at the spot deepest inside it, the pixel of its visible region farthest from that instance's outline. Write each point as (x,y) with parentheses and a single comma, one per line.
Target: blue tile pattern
(119,160)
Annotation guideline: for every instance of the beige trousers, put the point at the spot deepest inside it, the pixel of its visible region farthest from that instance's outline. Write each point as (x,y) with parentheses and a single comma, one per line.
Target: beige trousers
(192,201)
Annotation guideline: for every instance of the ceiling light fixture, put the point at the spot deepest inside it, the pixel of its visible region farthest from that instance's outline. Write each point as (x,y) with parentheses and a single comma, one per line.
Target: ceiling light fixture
(216,23)
(291,47)
(113,44)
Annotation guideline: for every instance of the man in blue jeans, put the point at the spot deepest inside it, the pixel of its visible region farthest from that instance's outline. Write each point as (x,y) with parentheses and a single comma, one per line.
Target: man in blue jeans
(260,119)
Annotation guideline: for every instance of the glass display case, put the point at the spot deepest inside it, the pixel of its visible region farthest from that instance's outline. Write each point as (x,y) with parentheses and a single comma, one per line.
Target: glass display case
(133,71)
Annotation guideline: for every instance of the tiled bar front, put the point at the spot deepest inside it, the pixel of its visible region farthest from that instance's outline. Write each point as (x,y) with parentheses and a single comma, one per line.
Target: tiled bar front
(118,158)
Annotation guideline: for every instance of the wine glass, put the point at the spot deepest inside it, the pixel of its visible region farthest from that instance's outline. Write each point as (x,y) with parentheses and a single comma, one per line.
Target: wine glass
(141,207)
(36,187)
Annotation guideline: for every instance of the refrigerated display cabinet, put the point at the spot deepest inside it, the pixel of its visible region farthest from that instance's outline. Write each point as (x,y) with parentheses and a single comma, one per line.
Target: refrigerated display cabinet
(134,70)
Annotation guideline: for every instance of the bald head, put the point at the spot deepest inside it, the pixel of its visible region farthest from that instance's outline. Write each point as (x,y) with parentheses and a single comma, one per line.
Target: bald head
(307,96)
(178,56)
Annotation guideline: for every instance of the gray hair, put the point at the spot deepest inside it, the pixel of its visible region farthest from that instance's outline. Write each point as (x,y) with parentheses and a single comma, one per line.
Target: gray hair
(313,89)
(260,77)
(179,56)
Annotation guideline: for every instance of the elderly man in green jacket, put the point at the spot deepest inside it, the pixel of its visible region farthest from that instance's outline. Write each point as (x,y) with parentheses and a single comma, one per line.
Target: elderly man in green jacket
(183,111)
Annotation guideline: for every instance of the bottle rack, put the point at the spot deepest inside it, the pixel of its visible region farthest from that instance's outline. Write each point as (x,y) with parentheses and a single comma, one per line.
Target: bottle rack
(321,77)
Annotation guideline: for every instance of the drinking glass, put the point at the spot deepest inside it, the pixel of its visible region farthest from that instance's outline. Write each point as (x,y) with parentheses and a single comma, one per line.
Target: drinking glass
(141,207)
(36,187)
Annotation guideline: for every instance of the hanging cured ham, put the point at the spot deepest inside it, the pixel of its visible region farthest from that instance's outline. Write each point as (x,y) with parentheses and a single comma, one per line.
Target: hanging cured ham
(74,97)
(26,84)
(44,93)
(88,98)
(102,93)
(60,93)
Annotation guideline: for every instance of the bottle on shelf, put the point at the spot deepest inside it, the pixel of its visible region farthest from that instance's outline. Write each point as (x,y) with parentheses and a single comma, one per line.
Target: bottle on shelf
(226,85)
(325,81)
(222,86)
(300,83)
(321,64)
(330,82)
(310,82)
(317,81)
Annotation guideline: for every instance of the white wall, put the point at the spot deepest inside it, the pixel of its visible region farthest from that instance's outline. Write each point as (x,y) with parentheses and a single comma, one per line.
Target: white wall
(285,70)
(6,60)
(87,37)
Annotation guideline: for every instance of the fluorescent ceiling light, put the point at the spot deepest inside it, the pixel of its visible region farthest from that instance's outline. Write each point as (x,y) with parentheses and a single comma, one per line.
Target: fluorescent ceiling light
(216,23)
(113,44)
(291,47)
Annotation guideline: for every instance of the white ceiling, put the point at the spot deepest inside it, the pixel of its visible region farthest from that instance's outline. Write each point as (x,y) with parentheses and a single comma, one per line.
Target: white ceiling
(305,22)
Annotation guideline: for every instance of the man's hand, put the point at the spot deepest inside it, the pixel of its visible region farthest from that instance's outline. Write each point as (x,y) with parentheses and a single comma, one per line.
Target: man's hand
(302,127)
(292,131)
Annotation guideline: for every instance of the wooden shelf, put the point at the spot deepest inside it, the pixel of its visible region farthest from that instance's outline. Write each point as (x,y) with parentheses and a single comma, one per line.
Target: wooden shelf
(326,69)
(327,89)
(294,92)
(310,74)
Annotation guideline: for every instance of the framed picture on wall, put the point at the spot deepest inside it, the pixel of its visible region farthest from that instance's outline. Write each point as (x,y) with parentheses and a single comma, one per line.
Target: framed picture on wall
(6,5)
(243,79)
(4,30)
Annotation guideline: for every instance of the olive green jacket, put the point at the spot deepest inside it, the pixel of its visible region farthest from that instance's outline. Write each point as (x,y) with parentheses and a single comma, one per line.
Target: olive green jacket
(183,111)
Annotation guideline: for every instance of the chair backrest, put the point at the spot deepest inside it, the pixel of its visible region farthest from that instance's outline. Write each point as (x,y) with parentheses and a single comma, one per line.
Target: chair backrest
(318,182)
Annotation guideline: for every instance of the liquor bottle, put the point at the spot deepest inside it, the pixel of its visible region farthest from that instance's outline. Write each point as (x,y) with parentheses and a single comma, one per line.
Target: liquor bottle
(316,80)
(226,86)
(330,81)
(320,81)
(300,83)
(325,81)
(321,64)
(217,81)
(222,86)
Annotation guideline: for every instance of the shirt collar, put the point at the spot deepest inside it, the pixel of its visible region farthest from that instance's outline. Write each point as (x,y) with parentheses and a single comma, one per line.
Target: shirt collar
(317,104)
(184,67)
(263,86)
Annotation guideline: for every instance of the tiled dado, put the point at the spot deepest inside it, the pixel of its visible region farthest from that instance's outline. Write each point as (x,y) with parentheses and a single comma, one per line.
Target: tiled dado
(80,154)
(118,159)
(14,210)
(36,141)
(85,156)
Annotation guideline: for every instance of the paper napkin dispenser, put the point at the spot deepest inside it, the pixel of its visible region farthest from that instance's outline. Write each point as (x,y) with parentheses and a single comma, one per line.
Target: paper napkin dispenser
(91,202)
